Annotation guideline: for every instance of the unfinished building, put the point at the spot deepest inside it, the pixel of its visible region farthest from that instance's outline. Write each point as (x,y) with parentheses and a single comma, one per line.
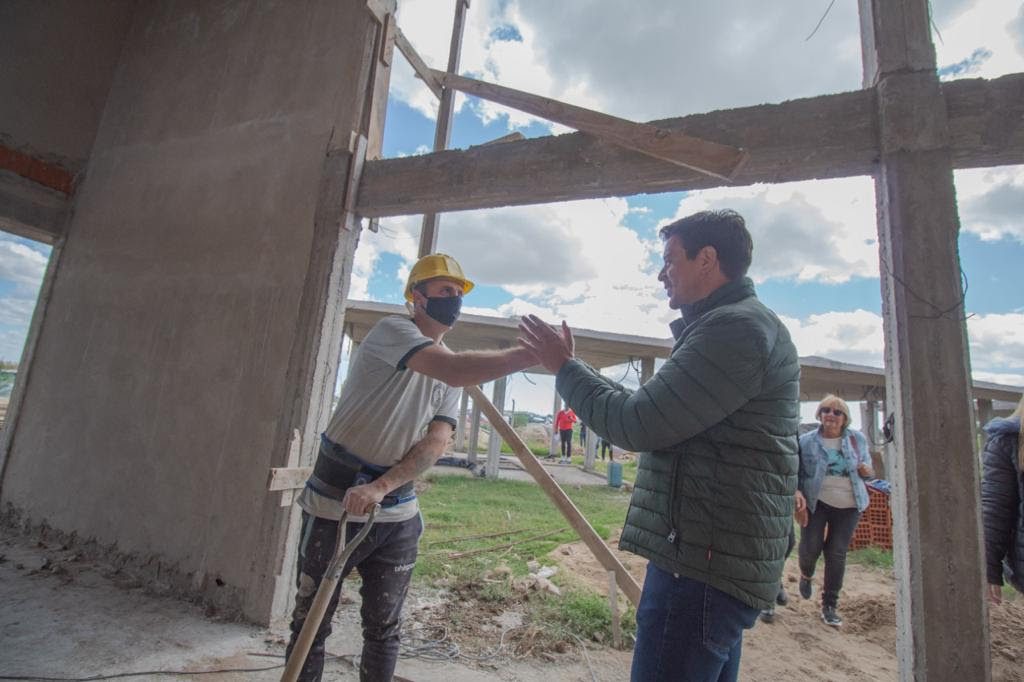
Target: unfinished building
(204,222)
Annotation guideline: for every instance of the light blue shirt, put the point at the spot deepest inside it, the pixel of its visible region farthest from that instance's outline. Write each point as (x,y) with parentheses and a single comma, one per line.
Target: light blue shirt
(815,465)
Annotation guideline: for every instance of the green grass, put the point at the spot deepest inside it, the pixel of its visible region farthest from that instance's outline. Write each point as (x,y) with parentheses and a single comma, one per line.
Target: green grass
(456,507)
(874,557)
(583,614)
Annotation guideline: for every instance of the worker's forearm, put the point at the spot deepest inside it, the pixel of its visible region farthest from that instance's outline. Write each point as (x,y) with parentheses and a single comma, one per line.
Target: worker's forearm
(478,367)
(417,461)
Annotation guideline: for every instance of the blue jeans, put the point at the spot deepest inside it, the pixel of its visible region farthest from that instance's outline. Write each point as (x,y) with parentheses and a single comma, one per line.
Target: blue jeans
(688,630)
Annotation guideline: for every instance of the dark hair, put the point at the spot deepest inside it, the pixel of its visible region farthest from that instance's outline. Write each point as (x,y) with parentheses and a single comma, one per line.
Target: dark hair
(725,230)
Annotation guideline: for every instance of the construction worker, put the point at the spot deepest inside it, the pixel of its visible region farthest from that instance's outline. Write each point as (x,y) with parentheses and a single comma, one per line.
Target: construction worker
(396,415)
(712,506)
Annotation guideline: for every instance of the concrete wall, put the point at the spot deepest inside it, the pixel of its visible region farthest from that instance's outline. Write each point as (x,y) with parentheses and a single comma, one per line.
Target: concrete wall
(57,59)
(175,358)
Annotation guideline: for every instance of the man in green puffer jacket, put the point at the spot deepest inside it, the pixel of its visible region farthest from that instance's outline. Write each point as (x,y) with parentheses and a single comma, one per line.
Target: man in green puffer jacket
(717,428)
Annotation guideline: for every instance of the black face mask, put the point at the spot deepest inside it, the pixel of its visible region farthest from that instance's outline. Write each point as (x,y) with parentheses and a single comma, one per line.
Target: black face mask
(444,309)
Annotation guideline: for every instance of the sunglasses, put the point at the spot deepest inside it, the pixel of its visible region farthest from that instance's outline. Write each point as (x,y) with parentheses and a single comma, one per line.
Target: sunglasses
(832,410)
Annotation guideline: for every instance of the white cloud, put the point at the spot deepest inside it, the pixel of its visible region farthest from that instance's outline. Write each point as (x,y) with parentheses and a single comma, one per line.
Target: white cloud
(815,230)
(991,202)
(21,264)
(997,342)
(844,336)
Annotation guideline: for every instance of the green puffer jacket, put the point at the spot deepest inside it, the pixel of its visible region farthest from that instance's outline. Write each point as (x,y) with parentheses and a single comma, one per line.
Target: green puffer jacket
(717,431)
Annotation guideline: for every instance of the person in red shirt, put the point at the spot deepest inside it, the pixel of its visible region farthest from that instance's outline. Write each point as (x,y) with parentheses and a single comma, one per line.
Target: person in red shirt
(563,422)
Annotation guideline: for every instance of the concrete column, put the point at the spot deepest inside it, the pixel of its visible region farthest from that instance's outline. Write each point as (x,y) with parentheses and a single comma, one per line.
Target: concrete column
(590,451)
(494,442)
(555,449)
(984,410)
(646,369)
(460,429)
(869,427)
(474,434)
(935,501)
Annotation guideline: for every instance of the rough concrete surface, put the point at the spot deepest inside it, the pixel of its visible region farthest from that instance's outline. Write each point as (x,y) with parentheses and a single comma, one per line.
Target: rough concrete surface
(63,616)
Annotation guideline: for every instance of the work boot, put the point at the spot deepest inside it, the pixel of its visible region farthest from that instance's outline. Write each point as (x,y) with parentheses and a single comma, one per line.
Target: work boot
(768,615)
(830,616)
(805,587)
(782,598)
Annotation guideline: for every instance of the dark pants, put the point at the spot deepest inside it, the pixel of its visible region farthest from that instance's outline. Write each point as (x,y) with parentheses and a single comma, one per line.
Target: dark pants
(840,524)
(606,445)
(385,561)
(687,630)
(566,435)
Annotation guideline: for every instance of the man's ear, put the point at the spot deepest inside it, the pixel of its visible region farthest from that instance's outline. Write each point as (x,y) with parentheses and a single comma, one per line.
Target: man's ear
(709,257)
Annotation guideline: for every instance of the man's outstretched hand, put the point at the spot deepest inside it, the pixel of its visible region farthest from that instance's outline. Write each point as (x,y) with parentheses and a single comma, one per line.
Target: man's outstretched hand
(553,349)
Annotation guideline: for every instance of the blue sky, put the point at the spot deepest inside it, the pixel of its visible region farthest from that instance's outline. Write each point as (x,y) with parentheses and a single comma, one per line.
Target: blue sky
(594,262)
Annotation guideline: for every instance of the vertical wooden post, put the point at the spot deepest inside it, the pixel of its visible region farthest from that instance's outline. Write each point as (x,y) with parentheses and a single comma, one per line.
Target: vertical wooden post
(494,441)
(935,503)
(613,605)
(445,111)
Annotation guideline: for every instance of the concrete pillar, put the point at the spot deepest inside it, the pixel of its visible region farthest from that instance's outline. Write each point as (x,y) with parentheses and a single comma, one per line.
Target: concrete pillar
(646,369)
(556,447)
(494,442)
(195,318)
(590,451)
(936,501)
(460,429)
(869,427)
(984,410)
(474,434)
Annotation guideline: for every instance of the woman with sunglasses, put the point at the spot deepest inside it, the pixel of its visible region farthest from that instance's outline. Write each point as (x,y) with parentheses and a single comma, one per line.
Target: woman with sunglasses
(834,462)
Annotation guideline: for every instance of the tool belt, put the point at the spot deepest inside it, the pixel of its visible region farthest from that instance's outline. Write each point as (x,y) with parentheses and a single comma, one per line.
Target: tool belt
(336,470)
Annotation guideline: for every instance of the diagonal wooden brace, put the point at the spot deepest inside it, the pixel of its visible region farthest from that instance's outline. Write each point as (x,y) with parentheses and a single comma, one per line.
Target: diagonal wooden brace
(579,523)
(710,158)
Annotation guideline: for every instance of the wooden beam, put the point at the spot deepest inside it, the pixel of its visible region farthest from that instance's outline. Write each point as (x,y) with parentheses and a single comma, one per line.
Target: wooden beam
(31,210)
(579,523)
(288,478)
(676,147)
(443,128)
(424,72)
(831,136)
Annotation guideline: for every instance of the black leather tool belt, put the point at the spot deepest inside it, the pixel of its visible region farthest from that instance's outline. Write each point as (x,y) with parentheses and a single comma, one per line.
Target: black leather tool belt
(336,470)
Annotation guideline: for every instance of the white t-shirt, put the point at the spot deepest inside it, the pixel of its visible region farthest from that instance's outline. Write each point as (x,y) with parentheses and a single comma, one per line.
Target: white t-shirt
(384,409)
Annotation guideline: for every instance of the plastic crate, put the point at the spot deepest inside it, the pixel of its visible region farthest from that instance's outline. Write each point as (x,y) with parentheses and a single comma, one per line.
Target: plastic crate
(875,526)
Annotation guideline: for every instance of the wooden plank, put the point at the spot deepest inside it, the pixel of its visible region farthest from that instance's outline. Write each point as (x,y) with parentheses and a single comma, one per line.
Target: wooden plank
(31,210)
(443,129)
(355,170)
(579,523)
(424,72)
(831,136)
(287,478)
(718,160)
(514,136)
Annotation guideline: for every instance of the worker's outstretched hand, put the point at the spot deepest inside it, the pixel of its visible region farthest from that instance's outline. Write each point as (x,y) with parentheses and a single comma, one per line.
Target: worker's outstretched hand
(553,349)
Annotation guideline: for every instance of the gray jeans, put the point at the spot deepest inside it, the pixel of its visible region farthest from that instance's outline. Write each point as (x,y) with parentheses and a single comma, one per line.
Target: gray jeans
(385,561)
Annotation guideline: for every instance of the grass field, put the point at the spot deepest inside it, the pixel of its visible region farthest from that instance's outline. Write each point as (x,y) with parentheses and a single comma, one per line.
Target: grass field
(481,534)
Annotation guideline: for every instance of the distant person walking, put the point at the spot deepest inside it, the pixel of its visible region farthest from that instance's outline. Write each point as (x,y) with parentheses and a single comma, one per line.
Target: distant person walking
(605,445)
(1002,503)
(564,421)
(834,461)
(583,436)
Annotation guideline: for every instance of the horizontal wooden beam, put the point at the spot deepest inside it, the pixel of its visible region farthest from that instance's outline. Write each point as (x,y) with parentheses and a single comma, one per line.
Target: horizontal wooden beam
(673,146)
(425,73)
(31,210)
(822,137)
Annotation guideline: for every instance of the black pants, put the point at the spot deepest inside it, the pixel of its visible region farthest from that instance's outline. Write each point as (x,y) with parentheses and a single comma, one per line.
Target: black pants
(840,524)
(566,435)
(385,561)
(606,445)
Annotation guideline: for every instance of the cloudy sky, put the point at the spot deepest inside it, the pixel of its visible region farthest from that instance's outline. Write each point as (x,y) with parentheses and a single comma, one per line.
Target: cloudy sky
(594,262)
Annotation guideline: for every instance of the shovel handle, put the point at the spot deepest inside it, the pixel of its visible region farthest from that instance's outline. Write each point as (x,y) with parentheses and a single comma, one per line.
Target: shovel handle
(315,615)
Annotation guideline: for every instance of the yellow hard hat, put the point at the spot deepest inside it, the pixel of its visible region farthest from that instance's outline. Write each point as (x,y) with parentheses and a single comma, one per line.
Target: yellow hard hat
(436,265)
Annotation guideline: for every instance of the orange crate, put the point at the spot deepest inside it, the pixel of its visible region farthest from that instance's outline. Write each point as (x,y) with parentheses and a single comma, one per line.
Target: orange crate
(875,526)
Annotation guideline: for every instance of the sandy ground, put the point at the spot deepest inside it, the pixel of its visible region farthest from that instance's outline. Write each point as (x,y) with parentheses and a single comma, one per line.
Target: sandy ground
(798,643)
